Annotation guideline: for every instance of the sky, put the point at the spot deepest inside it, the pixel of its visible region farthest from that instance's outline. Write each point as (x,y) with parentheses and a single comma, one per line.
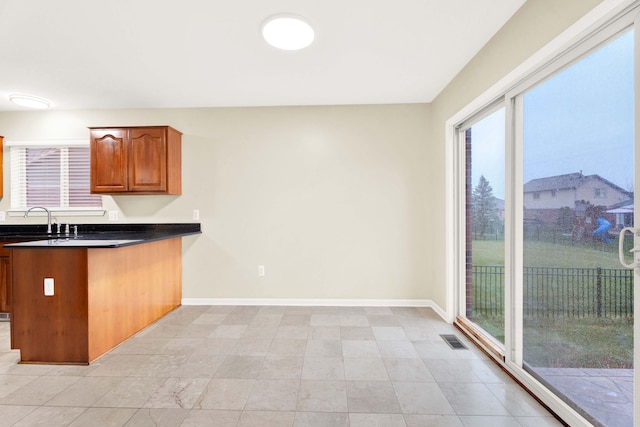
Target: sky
(578,120)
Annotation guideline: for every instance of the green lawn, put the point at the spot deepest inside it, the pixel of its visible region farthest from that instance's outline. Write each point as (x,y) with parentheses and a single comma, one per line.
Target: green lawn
(545,254)
(564,342)
(578,343)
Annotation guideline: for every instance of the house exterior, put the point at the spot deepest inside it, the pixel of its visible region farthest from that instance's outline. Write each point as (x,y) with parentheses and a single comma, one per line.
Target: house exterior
(543,197)
(623,213)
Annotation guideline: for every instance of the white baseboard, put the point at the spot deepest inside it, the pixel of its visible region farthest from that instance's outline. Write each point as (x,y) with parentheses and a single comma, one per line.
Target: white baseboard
(319,303)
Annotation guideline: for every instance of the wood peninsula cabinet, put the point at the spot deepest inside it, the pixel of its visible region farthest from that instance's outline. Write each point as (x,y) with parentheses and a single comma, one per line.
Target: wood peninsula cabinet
(136,160)
(99,295)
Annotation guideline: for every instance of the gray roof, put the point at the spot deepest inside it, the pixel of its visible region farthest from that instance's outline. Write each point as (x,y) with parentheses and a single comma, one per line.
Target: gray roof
(565,182)
(558,182)
(498,203)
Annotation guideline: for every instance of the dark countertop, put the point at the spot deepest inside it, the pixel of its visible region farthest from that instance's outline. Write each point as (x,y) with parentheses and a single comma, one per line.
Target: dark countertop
(94,235)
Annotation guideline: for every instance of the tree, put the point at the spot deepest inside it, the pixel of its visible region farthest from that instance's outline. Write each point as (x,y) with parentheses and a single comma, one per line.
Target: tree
(484,206)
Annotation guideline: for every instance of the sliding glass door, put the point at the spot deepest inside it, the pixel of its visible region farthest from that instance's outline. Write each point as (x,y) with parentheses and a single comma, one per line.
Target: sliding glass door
(549,183)
(484,140)
(578,192)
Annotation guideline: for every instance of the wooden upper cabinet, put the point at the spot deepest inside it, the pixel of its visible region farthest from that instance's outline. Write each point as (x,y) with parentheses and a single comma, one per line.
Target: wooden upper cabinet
(136,160)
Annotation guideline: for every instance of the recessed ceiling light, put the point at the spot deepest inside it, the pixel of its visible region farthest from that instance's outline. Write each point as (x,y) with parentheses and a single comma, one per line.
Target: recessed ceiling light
(288,32)
(29,101)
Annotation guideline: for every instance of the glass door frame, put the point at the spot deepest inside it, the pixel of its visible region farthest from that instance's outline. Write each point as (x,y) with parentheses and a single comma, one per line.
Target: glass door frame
(494,348)
(601,30)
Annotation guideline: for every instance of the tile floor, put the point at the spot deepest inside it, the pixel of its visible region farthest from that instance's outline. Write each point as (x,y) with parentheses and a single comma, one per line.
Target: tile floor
(273,366)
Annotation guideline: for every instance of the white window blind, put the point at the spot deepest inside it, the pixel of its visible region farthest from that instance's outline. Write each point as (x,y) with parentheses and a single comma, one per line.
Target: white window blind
(53,174)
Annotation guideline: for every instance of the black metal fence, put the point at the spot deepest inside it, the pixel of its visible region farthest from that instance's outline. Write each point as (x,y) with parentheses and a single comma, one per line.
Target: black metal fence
(558,292)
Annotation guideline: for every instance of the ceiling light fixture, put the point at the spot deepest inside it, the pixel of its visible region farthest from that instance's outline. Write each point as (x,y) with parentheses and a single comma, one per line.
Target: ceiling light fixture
(29,101)
(287,32)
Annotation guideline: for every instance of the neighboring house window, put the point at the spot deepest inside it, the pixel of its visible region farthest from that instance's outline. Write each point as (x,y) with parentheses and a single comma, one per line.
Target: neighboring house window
(553,193)
(600,193)
(536,195)
(52,174)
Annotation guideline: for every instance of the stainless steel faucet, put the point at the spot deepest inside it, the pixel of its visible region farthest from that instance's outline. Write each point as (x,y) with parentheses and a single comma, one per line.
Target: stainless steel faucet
(26,214)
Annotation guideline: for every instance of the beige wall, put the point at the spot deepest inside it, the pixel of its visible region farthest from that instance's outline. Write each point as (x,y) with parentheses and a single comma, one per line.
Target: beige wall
(332,200)
(336,202)
(534,25)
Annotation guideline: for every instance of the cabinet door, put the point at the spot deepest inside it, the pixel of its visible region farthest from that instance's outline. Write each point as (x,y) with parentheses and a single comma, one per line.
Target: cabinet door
(109,161)
(148,160)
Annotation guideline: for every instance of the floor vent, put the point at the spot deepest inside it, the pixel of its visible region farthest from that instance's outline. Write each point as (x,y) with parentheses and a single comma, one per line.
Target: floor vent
(453,342)
(4,317)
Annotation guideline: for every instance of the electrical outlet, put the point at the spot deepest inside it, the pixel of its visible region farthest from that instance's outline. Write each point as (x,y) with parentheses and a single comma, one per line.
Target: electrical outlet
(196,214)
(113,215)
(48,286)
(261,270)
(3,216)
